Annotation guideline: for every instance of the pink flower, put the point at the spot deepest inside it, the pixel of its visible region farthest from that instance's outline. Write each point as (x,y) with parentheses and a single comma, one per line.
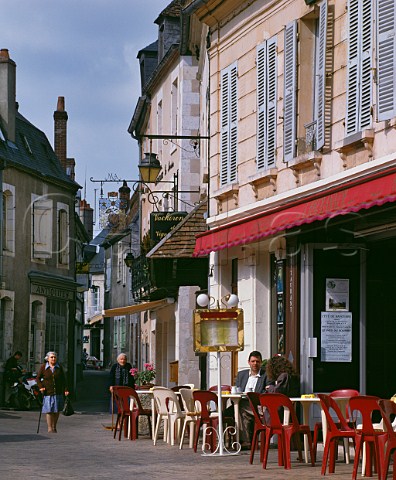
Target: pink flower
(133,371)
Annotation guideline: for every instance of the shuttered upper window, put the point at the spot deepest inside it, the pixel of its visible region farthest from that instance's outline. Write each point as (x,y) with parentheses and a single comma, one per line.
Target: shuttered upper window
(266,104)
(42,227)
(359,75)
(320,76)
(290,87)
(229,124)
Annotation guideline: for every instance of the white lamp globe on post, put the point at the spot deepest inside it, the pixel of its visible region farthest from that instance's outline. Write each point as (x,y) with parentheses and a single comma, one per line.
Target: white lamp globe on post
(203,300)
(232,301)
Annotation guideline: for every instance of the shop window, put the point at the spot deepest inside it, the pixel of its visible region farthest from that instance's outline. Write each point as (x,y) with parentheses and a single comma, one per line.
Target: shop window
(229,124)
(56,328)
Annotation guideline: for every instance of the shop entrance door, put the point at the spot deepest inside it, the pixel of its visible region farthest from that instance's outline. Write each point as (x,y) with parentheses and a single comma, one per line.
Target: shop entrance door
(332,318)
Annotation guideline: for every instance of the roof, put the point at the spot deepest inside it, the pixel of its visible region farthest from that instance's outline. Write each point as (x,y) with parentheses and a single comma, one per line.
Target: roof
(33,153)
(172,10)
(180,242)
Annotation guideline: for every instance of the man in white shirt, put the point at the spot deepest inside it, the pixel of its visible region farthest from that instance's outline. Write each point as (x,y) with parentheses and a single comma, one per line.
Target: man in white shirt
(253,379)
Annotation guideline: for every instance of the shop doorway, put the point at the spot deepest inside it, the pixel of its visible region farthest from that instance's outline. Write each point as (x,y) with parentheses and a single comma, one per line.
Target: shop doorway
(336,317)
(381,318)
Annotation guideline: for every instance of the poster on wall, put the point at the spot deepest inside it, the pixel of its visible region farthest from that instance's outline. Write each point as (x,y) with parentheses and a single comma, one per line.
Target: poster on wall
(336,337)
(337,294)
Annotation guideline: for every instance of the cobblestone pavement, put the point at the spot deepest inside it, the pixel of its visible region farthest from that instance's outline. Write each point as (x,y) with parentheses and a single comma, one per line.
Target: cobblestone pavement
(84,448)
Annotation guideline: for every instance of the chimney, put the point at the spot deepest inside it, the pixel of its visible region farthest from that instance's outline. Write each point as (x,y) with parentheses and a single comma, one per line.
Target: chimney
(7,94)
(60,132)
(86,217)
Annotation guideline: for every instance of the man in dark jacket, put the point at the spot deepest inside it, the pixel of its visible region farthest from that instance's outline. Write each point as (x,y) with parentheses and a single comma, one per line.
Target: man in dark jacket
(253,379)
(12,372)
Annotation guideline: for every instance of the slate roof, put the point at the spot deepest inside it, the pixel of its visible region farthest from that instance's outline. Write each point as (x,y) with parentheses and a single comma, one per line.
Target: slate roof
(33,153)
(180,242)
(172,10)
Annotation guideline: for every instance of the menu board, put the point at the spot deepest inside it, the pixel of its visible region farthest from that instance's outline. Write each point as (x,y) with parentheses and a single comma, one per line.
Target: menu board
(336,337)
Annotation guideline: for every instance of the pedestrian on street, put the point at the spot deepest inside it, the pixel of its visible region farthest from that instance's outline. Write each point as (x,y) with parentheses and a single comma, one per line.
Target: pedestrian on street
(12,373)
(51,380)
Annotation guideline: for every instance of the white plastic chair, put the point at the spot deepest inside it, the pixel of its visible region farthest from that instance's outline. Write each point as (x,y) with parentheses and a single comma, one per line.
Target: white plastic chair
(191,415)
(169,412)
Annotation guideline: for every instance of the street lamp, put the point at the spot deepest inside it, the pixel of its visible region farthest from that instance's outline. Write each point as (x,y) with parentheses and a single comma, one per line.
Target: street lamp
(149,168)
(129,258)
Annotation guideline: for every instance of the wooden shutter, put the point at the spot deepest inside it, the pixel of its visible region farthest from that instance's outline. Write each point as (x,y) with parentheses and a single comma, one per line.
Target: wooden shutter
(270,156)
(229,125)
(290,79)
(42,228)
(321,77)
(359,84)
(386,62)
(365,89)
(261,104)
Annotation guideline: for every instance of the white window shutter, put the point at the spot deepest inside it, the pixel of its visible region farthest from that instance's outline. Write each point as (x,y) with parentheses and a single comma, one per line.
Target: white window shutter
(225,122)
(261,104)
(353,71)
(359,76)
(365,89)
(229,125)
(272,75)
(321,77)
(386,18)
(42,228)
(233,174)
(289,97)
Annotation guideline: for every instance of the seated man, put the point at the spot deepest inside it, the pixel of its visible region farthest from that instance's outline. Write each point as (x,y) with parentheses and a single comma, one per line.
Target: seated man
(253,379)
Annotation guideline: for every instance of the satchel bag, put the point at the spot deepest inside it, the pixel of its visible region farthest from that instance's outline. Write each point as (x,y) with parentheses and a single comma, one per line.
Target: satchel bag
(68,409)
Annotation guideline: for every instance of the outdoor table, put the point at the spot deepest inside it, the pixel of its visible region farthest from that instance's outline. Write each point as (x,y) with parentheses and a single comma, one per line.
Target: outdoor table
(132,404)
(236,398)
(306,405)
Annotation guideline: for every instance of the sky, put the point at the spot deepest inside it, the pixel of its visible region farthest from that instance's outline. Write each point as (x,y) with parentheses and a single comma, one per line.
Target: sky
(85,51)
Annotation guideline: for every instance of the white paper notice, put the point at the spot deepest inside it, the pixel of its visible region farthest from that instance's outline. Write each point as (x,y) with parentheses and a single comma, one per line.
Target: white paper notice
(336,337)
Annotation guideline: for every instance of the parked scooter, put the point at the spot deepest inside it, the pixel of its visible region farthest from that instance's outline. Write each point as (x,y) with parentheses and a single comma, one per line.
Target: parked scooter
(25,392)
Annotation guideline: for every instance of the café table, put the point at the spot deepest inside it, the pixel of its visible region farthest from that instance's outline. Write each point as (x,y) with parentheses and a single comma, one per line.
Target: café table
(235,398)
(132,404)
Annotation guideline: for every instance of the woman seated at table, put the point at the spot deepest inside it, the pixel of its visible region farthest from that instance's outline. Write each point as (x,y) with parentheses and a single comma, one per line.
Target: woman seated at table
(282,372)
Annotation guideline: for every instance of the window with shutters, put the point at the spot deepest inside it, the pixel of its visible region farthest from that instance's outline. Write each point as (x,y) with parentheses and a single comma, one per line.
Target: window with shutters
(63,234)
(41,227)
(229,125)
(315,31)
(174,110)
(8,219)
(290,92)
(386,63)
(266,104)
(359,71)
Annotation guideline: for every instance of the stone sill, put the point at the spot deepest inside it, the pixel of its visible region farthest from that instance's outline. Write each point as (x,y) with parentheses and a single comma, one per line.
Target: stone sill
(365,139)
(263,176)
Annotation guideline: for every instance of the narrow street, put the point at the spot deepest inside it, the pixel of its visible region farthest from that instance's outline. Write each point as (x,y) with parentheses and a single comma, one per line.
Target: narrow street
(84,448)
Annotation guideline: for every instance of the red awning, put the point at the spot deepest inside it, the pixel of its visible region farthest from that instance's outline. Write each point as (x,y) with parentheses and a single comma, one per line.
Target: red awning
(338,201)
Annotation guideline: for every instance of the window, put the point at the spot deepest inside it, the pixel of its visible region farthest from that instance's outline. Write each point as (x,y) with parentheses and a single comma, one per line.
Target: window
(8,218)
(120,261)
(386,79)
(55,329)
(266,104)
(115,333)
(159,128)
(42,227)
(108,274)
(290,92)
(63,234)
(122,333)
(174,106)
(359,73)
(229,124)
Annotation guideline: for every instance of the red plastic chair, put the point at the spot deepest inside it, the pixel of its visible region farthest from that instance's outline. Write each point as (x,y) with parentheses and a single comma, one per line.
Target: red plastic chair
(259,424)
(335,430)
(366,405)
(135,414)
(388,413)
(274,403)
(208,418)
(121,397)
(342,393)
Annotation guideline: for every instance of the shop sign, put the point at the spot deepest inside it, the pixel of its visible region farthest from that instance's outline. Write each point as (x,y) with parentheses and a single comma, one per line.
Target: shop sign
(161,223)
